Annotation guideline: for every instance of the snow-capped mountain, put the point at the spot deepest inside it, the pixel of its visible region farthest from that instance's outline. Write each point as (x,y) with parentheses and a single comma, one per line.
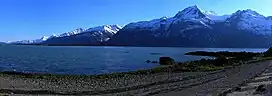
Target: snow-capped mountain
(91,36)
(190,14)
(104,33)
(192,27)
(252,21)
(107,28)
(76,31)
(2,43)
(44,38)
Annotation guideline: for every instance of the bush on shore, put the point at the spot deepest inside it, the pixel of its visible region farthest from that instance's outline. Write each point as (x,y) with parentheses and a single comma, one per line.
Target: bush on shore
(167,61)
(241,55)
(268,53)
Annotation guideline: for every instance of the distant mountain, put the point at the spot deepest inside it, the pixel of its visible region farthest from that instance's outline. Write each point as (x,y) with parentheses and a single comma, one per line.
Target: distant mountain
(36,41)
(74,32)
(2,43)
(79,36)
(92,36)
(193,28)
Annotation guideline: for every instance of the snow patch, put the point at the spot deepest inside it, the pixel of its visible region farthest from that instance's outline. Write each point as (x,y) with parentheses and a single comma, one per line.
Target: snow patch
(213,16)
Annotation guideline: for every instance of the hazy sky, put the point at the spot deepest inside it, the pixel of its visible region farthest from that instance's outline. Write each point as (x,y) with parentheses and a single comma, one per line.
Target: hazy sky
(31,19)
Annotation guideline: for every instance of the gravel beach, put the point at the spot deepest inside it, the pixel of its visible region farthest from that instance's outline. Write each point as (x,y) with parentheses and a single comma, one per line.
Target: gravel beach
(163,84)
(229,80)
(250,88)
(66,85)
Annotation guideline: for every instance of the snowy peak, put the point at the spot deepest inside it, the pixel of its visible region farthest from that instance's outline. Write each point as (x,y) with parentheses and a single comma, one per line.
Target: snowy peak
(247,14)
(78,30)
(44,38)
(115,27)
(105,28)
(252,21)
(53,36)
(74,32)
(190,12)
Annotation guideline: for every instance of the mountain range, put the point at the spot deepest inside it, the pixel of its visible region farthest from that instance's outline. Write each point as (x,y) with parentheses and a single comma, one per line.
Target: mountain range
(2,43)
(92,36)
(190,27)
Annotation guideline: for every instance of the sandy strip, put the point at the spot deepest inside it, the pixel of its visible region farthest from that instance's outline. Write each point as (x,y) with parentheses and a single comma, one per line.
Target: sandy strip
(214,88)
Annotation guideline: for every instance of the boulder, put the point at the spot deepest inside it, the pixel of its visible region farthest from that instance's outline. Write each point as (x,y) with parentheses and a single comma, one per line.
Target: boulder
(260,89)
(166,61)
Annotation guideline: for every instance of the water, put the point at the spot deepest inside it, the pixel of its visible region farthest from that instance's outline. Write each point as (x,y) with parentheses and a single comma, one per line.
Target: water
(91,60)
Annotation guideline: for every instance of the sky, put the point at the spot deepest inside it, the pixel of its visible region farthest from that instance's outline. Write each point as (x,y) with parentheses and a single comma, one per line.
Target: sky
(32,19)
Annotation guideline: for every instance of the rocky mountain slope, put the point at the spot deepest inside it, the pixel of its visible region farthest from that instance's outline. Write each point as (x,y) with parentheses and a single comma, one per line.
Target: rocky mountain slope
(193,28)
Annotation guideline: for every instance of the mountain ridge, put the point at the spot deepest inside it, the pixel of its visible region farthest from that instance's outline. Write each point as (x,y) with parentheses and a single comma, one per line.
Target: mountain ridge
(91,36)
(114,29)
(198,30)
(190,27)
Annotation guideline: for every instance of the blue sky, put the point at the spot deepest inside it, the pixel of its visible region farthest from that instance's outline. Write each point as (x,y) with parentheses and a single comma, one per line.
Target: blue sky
(31,19)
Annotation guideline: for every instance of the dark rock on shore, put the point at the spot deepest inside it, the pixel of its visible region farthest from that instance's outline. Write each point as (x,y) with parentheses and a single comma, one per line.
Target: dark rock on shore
(149,61)
(260,89)
(223,53)
(238,89)
(155,53)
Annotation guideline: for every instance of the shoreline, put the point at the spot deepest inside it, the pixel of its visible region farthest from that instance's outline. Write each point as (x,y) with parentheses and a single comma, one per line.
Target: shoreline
(132,46)
(159,69)
(130,84)
(145,82)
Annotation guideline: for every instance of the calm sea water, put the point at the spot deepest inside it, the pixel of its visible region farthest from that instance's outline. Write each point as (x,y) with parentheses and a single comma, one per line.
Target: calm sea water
(91,60)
